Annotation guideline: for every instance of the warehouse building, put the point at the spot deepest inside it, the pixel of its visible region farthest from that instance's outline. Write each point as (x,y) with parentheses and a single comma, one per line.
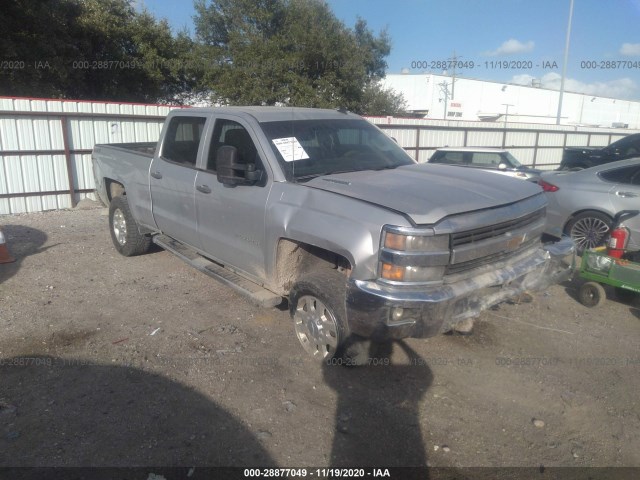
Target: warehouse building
(457,98)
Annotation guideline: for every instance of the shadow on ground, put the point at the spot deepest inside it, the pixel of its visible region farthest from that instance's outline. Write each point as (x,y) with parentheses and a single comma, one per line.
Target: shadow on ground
(21,242)
(377,420)
(56,411)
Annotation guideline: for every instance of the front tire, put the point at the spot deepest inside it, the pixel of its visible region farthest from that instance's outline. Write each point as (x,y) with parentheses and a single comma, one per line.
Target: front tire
(592,294)
(124,229)
(317,306)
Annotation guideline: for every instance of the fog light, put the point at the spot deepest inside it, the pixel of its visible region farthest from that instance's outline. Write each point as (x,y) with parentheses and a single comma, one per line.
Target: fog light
(396,313)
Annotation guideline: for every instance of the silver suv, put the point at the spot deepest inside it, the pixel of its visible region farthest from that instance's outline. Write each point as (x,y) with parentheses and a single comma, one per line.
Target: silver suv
(491,159)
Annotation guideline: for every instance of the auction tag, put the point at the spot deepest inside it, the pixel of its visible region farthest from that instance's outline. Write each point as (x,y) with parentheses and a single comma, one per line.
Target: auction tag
(290,149)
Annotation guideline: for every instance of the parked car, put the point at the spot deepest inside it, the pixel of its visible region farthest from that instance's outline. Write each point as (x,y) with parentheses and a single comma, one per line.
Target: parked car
(582,203)
(577,158)
(490,159)
(322,208)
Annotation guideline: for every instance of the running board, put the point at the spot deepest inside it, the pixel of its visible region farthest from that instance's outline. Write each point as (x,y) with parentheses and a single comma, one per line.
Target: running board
(254,292)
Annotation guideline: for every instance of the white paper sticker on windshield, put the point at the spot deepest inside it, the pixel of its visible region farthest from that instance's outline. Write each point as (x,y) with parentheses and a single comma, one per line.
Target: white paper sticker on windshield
(290,149)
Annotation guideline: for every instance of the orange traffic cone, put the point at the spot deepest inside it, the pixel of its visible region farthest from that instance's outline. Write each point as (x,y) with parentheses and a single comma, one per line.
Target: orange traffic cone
(5,257)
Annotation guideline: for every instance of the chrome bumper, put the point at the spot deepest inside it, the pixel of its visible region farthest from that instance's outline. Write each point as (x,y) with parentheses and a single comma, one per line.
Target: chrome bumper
(382,312)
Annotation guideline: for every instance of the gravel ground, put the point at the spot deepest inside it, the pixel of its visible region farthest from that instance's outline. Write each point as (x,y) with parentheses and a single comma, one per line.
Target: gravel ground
(106,361)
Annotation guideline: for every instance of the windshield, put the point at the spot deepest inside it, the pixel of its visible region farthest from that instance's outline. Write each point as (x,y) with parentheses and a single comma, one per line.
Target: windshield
(513,160)
(311,148)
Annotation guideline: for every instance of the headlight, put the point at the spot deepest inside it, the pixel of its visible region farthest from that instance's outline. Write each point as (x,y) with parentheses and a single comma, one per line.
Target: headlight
(415,243)
(413,255)
(599,263)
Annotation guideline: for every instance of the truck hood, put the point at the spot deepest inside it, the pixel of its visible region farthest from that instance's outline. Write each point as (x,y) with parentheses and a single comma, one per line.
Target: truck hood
(427,193)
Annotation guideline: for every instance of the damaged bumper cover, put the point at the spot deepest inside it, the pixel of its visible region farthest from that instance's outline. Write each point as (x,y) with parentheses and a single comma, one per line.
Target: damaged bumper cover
(381,312)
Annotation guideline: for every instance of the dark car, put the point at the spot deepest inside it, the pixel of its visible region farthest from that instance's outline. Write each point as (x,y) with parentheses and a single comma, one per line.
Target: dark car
(577,158)
(491,159)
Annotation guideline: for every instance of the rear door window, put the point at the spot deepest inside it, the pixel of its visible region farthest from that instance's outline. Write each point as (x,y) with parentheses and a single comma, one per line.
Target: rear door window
(182,140)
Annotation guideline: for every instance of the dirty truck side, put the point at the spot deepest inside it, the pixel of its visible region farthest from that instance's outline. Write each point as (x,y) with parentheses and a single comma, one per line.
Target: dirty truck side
(320,207)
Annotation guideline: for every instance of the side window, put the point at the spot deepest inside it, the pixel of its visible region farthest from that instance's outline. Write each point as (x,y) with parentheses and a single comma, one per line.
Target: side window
(485,159)
(183,139)
(627,175)
(228,132)
(451,158)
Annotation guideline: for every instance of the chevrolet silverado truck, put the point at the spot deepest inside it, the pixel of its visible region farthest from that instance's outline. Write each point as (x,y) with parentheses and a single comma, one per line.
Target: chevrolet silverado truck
(321,208)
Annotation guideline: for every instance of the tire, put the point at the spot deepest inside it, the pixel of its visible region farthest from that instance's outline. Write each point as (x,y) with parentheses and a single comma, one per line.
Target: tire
(592,294)
(624,295)
(589,230)
(124,229)
(317,307)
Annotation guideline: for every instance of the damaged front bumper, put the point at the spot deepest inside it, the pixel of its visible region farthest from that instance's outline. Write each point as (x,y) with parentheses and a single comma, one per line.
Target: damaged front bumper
(382,312)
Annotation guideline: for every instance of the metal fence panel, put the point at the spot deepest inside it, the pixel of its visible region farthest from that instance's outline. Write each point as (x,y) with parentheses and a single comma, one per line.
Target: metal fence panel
(45,145)
(484,139)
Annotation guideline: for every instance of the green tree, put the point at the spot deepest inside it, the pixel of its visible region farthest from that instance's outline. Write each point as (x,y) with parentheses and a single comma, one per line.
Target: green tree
(91,49)
(293,52)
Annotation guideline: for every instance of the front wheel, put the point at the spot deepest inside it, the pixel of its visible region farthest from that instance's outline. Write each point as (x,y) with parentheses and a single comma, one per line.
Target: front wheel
(592,294)
(124,229)
(317,306)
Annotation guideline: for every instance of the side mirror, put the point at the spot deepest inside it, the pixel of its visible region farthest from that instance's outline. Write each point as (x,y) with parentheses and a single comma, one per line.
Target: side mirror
(502,166)
(230,171)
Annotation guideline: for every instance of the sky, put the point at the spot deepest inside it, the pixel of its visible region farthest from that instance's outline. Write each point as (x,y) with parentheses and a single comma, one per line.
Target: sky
(500,40)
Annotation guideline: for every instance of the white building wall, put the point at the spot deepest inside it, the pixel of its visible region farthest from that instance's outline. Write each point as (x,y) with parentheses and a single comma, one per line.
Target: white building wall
(479,98)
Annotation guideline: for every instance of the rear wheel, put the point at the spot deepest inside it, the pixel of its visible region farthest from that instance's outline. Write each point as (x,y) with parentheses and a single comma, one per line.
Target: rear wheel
(124,229)
(592,294)
(588,230)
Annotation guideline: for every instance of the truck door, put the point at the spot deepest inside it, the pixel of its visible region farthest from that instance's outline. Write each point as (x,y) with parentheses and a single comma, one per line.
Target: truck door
(172,179)
(231,218)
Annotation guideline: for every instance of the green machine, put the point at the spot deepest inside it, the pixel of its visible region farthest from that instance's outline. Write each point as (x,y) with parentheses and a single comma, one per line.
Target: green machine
(611,265)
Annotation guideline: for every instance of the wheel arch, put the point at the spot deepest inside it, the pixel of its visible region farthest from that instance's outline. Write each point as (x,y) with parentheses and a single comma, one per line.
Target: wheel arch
(294,259)
(114,188)
(585,210)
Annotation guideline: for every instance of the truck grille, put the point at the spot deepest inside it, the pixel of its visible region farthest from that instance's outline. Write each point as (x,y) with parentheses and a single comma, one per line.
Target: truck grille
(487,260)
(486,246)
(493,231)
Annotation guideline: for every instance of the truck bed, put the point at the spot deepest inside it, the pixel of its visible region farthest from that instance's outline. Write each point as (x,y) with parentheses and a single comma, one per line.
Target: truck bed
(127,164)
(145,148)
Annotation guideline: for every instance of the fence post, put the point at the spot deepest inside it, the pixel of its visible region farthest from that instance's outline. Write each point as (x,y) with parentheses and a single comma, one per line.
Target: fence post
(67,157)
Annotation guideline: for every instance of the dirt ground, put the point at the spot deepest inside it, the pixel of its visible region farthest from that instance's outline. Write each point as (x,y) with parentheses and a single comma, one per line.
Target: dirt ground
(113,361)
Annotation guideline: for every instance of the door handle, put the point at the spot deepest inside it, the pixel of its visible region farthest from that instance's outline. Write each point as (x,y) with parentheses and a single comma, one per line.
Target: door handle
(203,188)
(156,174)
(626,194)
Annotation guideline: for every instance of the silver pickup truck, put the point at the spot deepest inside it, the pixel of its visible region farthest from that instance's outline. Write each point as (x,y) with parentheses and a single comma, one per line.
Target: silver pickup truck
(322,208)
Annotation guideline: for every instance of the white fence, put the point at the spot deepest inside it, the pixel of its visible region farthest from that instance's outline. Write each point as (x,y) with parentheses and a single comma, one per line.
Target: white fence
(45,145)
(533,144)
